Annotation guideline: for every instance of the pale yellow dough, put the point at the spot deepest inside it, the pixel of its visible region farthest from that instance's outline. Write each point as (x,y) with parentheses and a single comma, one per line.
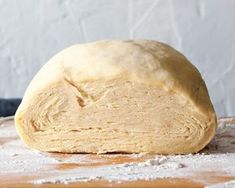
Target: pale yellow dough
(117,96)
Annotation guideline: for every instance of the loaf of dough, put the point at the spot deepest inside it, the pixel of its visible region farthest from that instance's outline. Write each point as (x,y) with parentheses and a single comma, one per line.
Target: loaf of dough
(117,96)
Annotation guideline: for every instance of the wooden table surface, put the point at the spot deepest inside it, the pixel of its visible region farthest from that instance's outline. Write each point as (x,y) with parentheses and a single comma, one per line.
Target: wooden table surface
(9,178)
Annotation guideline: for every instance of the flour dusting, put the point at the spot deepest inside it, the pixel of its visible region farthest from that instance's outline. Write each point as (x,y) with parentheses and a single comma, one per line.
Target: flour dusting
(218,156)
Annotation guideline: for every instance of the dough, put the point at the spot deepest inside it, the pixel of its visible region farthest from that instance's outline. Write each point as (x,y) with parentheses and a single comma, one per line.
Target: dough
(117,96)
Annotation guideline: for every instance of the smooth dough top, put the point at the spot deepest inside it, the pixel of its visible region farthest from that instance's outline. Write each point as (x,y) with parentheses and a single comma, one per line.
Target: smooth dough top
(144,61)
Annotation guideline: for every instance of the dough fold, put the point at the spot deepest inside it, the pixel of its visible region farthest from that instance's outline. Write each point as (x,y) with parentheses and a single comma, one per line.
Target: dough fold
(117,96)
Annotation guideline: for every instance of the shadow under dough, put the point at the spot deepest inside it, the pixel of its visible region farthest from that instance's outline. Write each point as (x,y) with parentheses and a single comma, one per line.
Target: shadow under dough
(224,140)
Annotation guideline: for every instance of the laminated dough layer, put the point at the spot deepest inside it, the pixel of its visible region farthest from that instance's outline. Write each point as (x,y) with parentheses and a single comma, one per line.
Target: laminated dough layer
(117,96)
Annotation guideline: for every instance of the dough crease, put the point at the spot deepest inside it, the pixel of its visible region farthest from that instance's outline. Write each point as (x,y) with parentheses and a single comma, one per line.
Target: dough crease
(117,96)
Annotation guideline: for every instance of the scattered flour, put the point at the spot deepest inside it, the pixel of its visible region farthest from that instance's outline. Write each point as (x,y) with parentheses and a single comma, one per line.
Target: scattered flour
(230,184)
(219,156)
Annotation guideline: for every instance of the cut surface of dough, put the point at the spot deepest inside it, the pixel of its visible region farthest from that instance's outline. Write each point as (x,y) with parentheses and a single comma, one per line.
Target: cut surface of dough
(117,96)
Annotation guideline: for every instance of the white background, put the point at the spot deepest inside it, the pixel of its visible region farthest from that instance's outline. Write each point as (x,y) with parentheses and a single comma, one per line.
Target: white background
(32,31)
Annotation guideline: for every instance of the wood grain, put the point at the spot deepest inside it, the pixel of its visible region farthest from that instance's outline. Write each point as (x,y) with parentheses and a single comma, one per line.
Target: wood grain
(24,179)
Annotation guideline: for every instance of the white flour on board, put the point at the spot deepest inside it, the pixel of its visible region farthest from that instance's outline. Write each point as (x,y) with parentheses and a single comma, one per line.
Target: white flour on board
(229,184)
(17,159)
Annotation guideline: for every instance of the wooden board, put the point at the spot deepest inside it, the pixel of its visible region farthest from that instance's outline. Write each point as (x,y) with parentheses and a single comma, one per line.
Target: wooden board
(16,161)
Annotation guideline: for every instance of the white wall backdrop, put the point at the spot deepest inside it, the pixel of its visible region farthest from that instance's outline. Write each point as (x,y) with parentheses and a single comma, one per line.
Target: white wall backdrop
(31,31)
